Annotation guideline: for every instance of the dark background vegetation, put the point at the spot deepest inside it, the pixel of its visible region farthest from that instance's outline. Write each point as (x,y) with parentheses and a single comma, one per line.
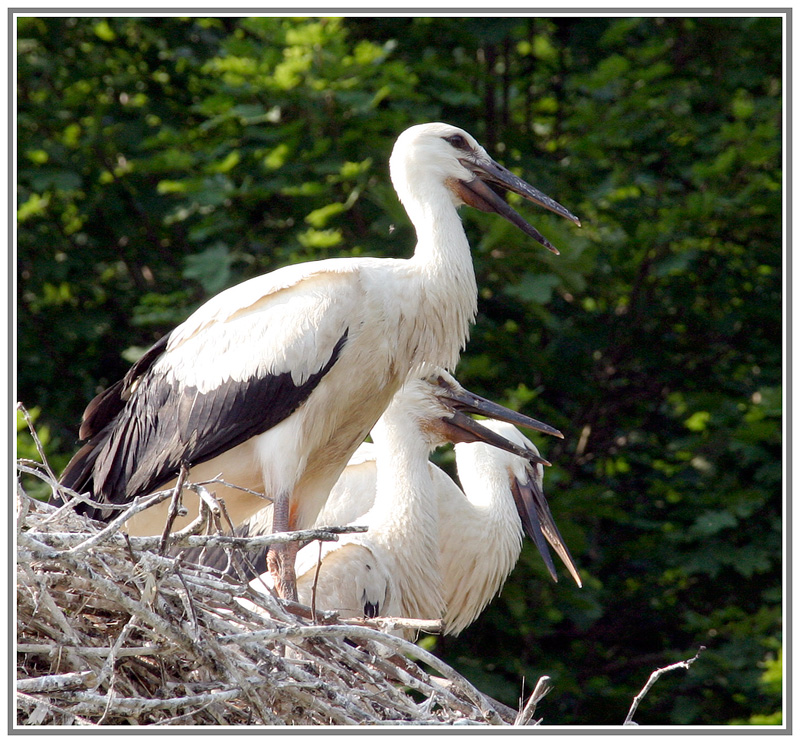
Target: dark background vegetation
(161,160)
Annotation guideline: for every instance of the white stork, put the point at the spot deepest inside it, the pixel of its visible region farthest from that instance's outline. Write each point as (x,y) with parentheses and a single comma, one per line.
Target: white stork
(395,568)
(287,372)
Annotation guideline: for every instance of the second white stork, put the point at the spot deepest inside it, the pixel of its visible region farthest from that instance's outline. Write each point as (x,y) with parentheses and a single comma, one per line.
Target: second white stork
(288,372)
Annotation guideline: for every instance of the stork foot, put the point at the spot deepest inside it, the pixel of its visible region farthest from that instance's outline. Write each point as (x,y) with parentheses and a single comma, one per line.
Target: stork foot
(280,561)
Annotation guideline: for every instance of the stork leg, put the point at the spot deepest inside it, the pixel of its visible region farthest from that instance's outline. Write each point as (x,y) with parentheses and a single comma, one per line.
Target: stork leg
(281,557)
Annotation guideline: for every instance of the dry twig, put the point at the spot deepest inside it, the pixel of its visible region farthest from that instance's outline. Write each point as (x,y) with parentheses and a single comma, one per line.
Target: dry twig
(654,676)
(526,713)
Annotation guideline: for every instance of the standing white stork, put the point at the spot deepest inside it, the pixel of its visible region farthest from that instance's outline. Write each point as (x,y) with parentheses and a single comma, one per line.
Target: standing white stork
(288,372)
(394,568)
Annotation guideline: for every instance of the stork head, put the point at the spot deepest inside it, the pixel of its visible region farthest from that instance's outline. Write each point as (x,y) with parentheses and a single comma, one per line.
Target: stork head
(429,156)
(439,407)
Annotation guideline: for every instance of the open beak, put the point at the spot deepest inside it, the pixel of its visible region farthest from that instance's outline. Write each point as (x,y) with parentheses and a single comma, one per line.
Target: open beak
(478,194)
(457,398)
(461,429)
(540,526)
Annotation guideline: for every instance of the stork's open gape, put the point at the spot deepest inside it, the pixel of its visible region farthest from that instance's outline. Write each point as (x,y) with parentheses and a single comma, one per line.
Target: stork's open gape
(279,379)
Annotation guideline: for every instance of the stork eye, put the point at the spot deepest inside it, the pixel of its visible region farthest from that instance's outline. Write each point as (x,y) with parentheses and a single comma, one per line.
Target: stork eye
(458,141)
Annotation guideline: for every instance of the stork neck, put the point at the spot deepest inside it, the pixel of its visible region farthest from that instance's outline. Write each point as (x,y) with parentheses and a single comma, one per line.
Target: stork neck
(448,295)
(440,234)
(485,481)
(404,483)
(406,512)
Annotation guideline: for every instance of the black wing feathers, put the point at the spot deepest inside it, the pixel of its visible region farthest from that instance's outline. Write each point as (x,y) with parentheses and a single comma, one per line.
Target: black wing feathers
(237,411)
(144,427)
(97,427)
(104,408)
(78,473)
(127,466)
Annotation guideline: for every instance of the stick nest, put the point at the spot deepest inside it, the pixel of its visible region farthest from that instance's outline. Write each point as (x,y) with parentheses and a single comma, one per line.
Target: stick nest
(114,630)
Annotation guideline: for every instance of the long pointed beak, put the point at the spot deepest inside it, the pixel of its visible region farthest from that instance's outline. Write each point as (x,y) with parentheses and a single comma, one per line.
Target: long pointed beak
(539,525)
(457,398)
(461,429)
(478,194)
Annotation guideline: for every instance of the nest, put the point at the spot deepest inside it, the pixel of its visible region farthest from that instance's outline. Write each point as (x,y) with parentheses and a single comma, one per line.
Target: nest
(118,630)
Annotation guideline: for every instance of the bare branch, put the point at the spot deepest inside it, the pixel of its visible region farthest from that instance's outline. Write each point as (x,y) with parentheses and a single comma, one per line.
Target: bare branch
(56,683)
(543,687)
(314,585)
(112,530)
(37,442)
(219,480)
(62,540)
(654,676)
(175,507)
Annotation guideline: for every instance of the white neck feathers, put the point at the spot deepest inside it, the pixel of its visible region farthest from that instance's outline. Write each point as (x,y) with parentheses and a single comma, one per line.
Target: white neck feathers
(404,517)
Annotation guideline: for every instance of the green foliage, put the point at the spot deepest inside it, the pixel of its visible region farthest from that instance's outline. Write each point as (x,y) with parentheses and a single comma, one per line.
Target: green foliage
(163,159)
